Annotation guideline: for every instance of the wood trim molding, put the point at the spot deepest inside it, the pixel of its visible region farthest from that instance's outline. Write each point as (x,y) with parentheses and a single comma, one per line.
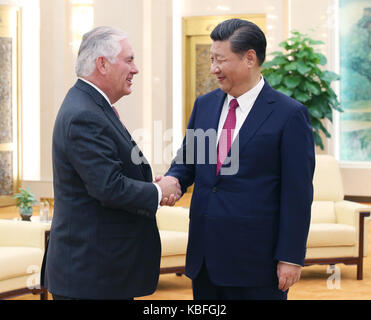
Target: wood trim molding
(177,270)
(14,293)
(365,199)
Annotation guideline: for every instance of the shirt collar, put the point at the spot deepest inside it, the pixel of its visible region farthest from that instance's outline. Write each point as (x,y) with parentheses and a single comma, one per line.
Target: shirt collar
(244,101)
(96,88)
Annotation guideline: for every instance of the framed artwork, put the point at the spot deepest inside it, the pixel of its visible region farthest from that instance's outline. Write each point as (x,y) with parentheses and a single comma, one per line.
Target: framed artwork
(355,83)
(9,103)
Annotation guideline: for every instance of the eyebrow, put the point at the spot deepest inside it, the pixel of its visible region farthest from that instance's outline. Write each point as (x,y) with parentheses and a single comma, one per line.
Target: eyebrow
(217,55)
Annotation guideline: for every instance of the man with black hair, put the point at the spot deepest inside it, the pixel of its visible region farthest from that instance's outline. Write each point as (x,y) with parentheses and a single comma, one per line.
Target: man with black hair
(250,213)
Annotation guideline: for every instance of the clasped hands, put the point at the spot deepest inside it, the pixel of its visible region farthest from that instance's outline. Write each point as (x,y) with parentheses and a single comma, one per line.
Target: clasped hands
(171,191)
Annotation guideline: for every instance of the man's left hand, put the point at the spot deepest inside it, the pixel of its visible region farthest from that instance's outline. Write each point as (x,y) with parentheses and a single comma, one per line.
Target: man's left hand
(287,274)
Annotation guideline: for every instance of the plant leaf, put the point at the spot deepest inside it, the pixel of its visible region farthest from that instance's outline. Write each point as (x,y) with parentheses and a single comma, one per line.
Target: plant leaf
(312,87)
(329,113)
(292,82)
(268,64)
(318,140)
(303,68)
(285,91)
(276,53)
(323,59)
(301,96)
(292,66)
(279,60)
(314,42)
(329,76)
(302,54)
(324,130)
(275,79)
(315,112)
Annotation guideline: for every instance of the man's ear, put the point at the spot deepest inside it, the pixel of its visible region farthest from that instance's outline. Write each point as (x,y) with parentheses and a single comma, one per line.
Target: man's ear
(251,58)
(101,64)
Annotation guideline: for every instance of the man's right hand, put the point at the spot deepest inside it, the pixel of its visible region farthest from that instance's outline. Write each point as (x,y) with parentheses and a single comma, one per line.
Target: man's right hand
(171,191)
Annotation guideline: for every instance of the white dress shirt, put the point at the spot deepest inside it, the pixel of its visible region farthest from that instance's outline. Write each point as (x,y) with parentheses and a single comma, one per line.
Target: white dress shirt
(96,88)
(105,96)
(245,102)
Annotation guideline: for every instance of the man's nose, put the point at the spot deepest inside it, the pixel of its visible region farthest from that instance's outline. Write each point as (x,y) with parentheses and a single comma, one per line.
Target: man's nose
(135,70)
(214,69)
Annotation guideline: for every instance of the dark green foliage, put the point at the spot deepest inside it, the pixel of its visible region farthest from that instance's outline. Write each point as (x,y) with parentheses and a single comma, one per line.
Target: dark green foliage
(297,73)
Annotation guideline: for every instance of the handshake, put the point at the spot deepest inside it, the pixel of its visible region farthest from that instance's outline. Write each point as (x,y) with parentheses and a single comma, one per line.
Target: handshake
(171,191)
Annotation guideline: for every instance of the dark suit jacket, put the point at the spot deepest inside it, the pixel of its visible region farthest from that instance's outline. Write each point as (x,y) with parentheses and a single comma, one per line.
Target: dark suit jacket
(104,242)
(242,224)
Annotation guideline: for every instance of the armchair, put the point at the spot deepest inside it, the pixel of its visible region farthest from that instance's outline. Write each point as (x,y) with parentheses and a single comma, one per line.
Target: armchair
(173,226)
(339,228)
(22,246)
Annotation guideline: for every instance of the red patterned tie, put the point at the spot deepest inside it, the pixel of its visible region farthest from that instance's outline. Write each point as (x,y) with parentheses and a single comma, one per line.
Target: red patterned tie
(117,114)
(226,136)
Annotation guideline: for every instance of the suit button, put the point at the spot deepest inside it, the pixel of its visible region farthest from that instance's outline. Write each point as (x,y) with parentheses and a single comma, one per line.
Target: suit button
(142,212)
(214,189)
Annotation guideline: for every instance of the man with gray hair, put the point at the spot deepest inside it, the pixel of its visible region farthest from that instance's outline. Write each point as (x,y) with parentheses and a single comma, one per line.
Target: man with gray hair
(104,241)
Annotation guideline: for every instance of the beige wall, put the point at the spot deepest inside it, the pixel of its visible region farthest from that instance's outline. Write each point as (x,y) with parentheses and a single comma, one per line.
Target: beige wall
(149,25)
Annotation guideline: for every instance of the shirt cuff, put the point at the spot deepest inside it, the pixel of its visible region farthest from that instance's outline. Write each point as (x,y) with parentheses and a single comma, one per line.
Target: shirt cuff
(159,193)
(294,264)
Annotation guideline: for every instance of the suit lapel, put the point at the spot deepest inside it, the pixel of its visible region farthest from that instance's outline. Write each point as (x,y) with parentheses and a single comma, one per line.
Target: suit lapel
(144,166)
(108,111)
(217,102)
(260,111)
(106,107)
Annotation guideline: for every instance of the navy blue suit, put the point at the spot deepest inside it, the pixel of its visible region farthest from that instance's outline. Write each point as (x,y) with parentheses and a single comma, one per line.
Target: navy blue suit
(104,242)
(242,224)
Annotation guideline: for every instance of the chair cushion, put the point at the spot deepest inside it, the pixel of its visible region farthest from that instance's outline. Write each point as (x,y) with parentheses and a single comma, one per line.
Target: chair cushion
(323,212)
(22,233)
(18,261)
(327,180)
(331,235)
(173,218)
(173,261)
(173,242)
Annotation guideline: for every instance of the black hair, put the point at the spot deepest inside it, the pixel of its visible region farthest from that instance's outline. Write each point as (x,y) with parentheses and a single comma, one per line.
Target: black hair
(243,36)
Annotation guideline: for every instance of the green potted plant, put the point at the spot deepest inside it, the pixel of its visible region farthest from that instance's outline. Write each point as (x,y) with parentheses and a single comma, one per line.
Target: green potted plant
(25,201)
(297,72)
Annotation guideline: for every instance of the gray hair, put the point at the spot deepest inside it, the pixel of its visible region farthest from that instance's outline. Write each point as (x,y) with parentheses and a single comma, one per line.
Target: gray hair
(99,42)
